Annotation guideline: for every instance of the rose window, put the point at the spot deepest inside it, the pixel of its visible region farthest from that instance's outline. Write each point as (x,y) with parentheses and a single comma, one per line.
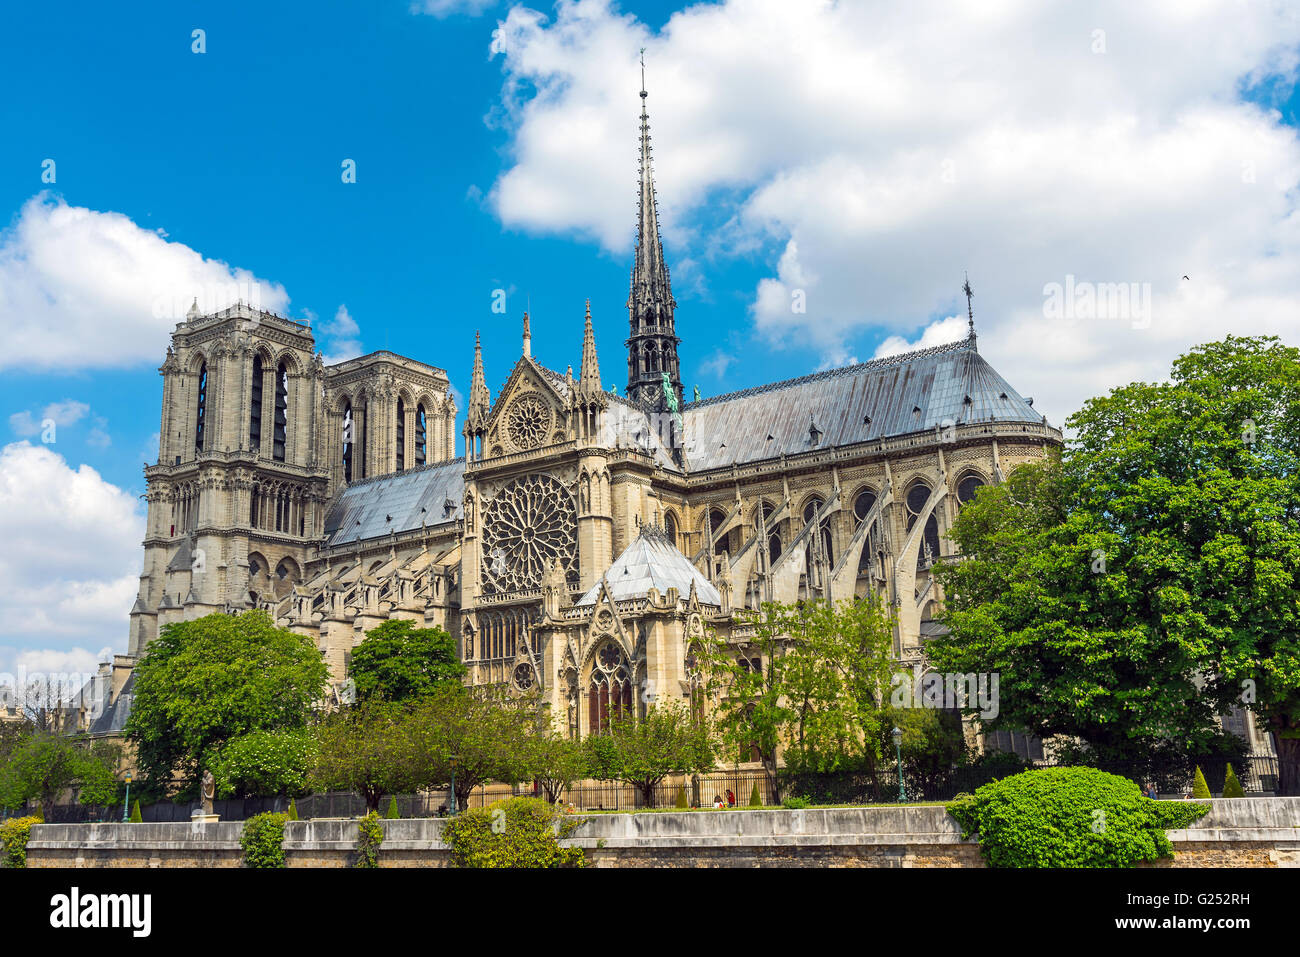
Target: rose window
(528,526)
(523,677)
(528,421)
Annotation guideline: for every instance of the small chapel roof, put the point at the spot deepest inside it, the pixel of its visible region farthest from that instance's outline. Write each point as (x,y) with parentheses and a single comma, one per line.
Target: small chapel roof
(652,562)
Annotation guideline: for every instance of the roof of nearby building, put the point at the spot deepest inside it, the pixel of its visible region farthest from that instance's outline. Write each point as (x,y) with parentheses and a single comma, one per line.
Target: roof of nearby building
(652,562)
(400,502)
(112,716)
(912,392)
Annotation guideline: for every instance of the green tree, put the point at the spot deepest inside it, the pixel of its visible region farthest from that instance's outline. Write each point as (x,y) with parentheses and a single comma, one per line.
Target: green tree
(372,749)
(487,733)
(205,682)
(265,764)
(43,765)
(811,679)
(398,661)
(554,761)
(642,752)
(1133,591)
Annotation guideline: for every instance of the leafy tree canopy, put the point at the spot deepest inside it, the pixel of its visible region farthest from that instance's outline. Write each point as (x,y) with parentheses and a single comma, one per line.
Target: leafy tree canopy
(398,661)
(1131,592)
(205,682)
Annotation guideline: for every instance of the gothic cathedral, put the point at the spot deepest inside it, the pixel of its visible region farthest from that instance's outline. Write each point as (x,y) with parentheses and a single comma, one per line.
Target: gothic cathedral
(586,536)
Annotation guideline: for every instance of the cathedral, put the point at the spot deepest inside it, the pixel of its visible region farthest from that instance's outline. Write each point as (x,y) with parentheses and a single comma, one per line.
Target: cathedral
(587,535)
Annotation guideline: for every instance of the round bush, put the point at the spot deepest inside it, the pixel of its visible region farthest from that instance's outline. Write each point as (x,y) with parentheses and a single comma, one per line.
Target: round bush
(515,832)
(1070,817)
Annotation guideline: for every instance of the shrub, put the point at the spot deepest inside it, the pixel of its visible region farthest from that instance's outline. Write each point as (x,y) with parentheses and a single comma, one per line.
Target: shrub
(1199,788)
(369,836)
(515,832)
(755,799)
(136,817)
(263,840)
(1070,817)
(681,798)
(392,814)
(1231,786)
(14,835)
(796,803)
(292,815)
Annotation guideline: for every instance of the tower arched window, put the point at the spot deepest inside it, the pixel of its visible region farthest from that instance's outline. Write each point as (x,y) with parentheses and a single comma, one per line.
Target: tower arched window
(670,528)
(824,530)
(928,553)
(968,486)
(347,442)
(255,406)
(421,435)
(201,413)
(401,433)
(281,412)
(862,506)
(774,545)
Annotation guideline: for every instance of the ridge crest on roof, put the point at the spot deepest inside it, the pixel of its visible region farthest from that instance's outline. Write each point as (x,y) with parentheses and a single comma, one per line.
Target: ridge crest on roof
(883,362)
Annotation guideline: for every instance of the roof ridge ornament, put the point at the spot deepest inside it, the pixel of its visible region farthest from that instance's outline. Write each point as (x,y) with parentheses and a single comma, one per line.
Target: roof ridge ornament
(970,312)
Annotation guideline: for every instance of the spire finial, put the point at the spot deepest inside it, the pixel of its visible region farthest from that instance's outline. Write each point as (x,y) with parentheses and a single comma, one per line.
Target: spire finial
(970,310)
(643,93)
(528,337)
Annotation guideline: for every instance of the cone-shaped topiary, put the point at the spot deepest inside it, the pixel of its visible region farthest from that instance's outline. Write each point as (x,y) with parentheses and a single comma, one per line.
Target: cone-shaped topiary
(681,798)
(392,814)
(293,810)
(755,799)
(136,818)
(1231,786)
(1199,788)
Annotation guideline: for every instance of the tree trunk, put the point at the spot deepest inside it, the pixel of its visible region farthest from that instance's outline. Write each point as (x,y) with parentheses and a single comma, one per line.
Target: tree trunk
(1288,765)
(769,770)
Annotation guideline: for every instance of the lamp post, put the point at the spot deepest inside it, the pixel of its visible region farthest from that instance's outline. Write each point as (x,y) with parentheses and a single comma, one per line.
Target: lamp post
(127,803)
(898,752)
(451,804)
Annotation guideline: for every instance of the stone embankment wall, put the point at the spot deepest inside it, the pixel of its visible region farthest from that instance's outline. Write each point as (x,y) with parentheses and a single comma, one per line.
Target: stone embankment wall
(1241,832)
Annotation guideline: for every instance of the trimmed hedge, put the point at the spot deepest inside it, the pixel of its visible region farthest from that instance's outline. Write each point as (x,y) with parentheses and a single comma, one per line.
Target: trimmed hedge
(263,840)
(1231,786)
(369,836)
(515,832)
(14,835)
(1070,817)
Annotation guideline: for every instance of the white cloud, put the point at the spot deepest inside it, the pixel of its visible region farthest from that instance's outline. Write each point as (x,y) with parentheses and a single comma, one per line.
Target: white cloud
(81,288)
(935,334)
(447,8)
(67,412)
(340,337)
(71,561)
(878,150)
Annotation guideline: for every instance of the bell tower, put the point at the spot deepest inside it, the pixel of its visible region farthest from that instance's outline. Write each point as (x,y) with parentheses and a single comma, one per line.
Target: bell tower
(652,344)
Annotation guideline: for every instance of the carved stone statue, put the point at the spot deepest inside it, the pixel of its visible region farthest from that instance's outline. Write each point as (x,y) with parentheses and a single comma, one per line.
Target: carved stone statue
(208,792)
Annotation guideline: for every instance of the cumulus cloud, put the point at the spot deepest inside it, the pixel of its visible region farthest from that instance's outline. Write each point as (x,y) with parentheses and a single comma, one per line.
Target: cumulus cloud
(876,151)
(340,337)
(81,288)
(71,561)
(67,412)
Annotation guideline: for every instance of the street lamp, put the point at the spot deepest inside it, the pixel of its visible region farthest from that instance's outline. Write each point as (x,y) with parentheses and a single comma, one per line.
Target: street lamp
(451,804)
(898,752)
(127,803)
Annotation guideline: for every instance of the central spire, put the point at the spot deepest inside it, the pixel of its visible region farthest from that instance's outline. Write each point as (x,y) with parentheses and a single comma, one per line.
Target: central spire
(652,343)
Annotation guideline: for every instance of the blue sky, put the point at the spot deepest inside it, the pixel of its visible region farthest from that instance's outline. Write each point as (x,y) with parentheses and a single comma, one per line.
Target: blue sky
(865,154)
